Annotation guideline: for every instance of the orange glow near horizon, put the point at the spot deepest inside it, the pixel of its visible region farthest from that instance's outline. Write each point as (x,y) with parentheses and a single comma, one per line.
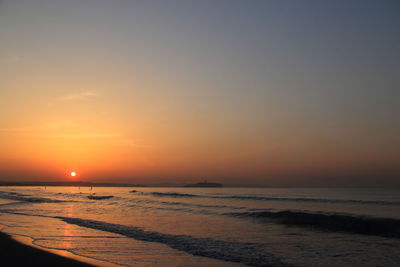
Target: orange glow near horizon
(163,100)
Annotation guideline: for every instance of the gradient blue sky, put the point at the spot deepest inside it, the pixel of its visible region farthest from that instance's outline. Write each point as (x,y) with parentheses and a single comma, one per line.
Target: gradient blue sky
(267,92)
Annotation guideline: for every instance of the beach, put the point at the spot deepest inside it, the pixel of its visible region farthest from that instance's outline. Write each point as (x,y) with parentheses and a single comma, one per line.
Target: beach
(121,226)
(200,133)
(13,253)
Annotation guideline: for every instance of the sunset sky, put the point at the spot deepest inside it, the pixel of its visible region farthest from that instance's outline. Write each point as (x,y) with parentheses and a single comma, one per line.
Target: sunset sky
(238,92)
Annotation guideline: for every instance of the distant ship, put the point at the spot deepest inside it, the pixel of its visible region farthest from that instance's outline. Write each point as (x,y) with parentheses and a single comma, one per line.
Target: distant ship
(204,184)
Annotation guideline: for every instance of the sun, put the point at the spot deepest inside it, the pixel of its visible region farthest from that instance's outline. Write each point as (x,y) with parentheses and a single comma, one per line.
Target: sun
(73,174)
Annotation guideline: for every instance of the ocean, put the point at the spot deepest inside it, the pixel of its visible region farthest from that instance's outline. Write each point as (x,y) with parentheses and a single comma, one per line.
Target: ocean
(147,226)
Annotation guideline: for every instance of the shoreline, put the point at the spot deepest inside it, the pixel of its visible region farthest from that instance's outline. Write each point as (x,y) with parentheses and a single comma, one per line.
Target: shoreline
(13,246)
(24,240)
(15,253)
(20,251)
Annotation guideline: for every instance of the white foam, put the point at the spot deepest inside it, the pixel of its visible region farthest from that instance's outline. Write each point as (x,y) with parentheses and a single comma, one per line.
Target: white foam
(246,253)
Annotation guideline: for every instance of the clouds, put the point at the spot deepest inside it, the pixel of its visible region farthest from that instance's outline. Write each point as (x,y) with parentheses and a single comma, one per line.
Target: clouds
(67,130)
(84,135)
(57,125)
(89,94)
(13,59)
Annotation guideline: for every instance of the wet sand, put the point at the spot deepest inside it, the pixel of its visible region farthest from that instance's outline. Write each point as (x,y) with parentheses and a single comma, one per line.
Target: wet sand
(13,253)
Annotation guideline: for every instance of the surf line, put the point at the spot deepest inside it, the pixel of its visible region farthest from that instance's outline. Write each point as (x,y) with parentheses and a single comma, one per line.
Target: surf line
(246,253)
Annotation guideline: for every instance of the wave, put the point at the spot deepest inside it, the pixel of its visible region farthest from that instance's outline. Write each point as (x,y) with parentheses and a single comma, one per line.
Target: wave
(264,198)
(26,198)
(245,253)
(172,194)
(184,204)
(386,227)
(320,200)
(99,197)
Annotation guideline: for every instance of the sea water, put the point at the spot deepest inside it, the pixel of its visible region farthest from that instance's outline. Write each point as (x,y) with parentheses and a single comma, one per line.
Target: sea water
(210,226)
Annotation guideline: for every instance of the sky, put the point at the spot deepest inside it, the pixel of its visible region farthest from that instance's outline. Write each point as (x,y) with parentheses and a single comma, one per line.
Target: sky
(275,93)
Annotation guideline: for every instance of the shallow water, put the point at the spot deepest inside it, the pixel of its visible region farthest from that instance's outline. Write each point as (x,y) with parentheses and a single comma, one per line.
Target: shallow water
(210,226)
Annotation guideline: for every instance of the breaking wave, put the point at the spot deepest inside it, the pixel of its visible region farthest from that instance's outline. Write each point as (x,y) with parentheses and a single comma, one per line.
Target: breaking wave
(99,197)
(172,194)
(319,200)
(246,253)
(26,198)
(330,221)
(266,198)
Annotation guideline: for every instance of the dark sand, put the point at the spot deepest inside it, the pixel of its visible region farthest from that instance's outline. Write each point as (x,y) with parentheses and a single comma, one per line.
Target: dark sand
(15,254)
